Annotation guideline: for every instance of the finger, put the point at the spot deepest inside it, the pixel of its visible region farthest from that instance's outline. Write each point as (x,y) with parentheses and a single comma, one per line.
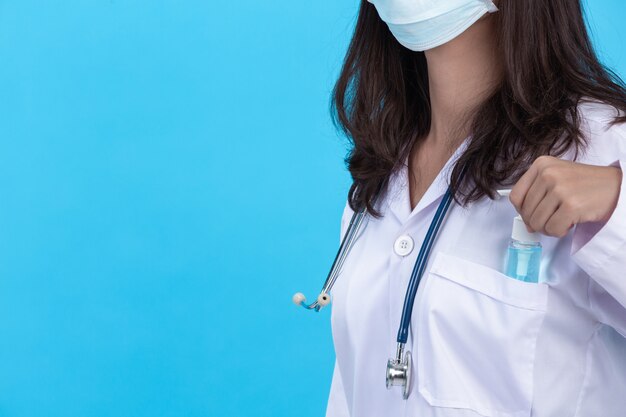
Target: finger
(543,212)
(519,190)
(535,195)
(560,222)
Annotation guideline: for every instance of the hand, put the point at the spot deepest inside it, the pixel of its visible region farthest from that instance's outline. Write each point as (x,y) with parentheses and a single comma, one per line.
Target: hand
(554,194)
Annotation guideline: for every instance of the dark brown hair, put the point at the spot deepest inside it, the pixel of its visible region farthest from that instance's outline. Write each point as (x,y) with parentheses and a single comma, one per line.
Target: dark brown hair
(381,100)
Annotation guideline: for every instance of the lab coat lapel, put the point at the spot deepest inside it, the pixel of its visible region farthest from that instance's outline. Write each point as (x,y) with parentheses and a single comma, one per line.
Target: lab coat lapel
(398,192)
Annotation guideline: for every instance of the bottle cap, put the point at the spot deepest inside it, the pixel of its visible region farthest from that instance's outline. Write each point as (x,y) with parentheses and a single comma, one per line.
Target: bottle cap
(521,234)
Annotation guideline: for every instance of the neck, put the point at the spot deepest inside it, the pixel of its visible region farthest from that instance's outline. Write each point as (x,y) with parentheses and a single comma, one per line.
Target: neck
(461,74)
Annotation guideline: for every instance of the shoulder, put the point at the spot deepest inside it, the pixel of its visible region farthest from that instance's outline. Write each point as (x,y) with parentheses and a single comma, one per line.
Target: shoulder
(606,141)
(345,218)
(347,212)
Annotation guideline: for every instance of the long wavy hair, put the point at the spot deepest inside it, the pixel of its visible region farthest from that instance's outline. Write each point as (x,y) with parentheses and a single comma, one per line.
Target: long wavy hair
(381,99)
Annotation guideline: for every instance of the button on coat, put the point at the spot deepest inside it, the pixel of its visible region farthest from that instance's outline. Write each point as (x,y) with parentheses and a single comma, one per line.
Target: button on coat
(403,245)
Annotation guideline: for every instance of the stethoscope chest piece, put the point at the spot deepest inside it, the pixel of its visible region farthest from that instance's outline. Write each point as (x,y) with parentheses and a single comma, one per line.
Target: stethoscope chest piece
(399,373)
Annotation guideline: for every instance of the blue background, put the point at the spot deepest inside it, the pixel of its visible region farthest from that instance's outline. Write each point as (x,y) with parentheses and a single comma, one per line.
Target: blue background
(169,176)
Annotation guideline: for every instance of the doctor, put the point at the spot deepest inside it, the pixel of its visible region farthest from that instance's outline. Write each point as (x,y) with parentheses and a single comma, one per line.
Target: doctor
(512,91)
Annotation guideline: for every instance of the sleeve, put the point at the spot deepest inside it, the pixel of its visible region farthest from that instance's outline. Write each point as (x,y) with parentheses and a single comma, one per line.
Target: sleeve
(599,248)
(337,404)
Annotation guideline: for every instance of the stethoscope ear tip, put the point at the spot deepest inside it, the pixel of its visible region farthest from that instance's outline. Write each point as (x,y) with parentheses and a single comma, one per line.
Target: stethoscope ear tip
(298,298)
(323,299)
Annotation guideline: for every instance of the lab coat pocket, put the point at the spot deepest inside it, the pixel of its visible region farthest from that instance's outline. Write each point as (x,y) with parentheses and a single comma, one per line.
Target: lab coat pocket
(476,336)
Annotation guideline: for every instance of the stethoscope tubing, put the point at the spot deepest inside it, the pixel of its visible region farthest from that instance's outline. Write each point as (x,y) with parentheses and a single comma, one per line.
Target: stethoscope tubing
(422,261)
(398,368)
(420,266)
(344,249)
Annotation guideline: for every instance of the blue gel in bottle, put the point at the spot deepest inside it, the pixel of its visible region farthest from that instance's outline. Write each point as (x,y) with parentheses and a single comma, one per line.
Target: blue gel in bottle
(524,253)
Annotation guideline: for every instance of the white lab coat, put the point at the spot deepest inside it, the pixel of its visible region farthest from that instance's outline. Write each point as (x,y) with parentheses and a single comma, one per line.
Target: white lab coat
(484,344)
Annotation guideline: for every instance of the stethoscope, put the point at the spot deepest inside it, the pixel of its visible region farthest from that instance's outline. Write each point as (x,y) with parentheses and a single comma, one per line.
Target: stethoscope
(399,367)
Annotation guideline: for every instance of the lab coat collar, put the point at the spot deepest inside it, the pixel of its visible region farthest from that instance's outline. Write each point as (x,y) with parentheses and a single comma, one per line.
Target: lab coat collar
(398,197)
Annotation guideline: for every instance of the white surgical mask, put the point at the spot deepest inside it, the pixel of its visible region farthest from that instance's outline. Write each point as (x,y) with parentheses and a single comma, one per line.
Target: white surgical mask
(424,24)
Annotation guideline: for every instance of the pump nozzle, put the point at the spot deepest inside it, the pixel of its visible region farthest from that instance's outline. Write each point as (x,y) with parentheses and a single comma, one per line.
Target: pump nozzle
(504,193)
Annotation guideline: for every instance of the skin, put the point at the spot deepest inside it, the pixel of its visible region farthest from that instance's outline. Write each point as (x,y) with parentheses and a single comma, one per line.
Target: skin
(554,194)
(461,74)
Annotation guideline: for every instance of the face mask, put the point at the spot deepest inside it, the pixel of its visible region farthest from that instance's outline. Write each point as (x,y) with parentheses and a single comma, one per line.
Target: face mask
(424,24)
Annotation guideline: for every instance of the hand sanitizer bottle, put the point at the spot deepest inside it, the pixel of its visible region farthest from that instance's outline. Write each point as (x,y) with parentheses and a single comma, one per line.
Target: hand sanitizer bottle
(524,254)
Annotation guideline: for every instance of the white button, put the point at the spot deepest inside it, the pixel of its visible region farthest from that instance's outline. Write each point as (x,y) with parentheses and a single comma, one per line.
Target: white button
(403,245)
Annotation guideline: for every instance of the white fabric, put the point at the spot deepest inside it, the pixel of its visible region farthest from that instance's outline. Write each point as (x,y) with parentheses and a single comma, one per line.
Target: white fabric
(424,24)
(484,344)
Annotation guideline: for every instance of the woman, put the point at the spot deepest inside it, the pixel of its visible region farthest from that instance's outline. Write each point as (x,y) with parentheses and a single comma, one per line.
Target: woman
(482,96)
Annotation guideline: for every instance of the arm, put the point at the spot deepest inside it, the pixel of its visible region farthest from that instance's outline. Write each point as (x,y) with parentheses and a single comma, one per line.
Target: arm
(554,195)
(337,404)
(599,248)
